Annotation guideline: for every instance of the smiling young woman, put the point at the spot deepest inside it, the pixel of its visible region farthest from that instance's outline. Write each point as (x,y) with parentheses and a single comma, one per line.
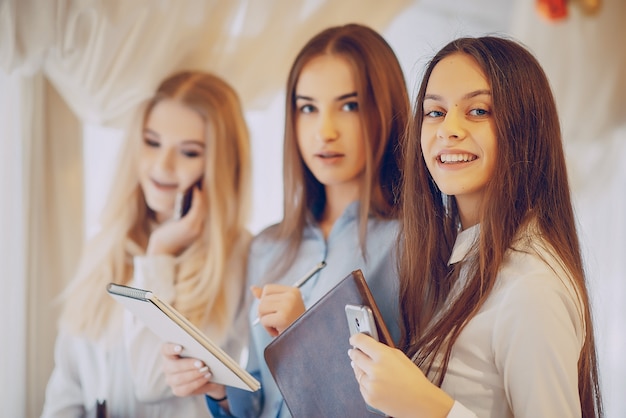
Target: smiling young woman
(495,308)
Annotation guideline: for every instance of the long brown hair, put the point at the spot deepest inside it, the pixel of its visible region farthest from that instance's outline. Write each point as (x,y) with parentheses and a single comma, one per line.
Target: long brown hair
(202,270)
(530,184)
(385,110)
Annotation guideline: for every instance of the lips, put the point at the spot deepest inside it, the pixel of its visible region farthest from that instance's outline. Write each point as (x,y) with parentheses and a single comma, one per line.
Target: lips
(164,185)
(329,154)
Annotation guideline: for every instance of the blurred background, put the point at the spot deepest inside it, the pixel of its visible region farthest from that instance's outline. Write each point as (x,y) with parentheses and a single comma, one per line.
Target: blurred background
(72,71)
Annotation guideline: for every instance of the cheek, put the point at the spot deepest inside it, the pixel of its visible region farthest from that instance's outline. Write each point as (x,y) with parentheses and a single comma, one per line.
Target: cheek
(191,172)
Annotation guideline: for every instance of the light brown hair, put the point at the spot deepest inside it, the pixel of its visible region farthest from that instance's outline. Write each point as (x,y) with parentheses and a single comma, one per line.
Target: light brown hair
(384,109)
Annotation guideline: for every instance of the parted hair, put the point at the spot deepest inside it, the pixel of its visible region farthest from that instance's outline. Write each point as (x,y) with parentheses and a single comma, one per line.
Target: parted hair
(125,226)
(529,186)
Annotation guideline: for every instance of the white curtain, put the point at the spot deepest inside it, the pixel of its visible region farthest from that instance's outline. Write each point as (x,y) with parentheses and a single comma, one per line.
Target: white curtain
(42,228)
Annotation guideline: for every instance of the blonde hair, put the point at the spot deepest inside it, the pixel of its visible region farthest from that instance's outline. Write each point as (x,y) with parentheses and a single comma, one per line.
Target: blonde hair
(202,270)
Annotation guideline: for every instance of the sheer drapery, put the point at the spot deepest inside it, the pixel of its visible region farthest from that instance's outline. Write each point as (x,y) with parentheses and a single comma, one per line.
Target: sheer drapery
(41,226)
(104,57)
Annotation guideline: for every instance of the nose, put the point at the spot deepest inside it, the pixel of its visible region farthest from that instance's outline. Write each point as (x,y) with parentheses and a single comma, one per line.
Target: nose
(451,127)
(165,161)
(327,128)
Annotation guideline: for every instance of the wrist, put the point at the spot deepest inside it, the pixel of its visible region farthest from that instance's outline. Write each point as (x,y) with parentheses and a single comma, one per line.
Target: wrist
(223,398)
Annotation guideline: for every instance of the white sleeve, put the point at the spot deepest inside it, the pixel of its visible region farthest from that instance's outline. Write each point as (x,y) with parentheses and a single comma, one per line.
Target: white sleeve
(154,273)
(538,336)
(460,411)
(64,392)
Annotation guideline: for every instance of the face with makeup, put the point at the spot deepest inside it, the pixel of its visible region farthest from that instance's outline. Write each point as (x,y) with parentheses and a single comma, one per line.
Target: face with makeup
(172,155)
(458,132)
(328,123)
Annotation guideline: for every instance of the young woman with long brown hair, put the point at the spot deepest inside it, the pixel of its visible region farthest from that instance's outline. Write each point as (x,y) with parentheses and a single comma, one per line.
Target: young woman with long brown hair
(495,308)
(346,109)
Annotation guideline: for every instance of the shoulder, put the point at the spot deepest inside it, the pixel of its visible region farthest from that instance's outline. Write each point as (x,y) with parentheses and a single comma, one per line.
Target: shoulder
(385,227)
(534,286)
(266,242)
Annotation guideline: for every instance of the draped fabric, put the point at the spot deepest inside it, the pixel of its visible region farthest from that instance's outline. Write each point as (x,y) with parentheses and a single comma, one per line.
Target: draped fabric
(105,56)
(65,63)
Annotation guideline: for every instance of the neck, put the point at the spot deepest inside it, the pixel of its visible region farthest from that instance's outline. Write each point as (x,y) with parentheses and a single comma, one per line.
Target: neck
(337,200)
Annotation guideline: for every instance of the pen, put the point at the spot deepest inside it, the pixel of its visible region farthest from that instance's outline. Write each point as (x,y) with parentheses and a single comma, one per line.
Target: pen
(301,282)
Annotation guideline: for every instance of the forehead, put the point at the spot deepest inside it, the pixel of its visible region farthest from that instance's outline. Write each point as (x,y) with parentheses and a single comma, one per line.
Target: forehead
(326,74)
(176,120)
(456,74)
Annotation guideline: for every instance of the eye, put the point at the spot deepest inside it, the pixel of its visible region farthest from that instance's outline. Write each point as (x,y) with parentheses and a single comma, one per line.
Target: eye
(191,154)
(433,114)
(350,106)
(190,150)
(479,112)
(307,108)
(151,142)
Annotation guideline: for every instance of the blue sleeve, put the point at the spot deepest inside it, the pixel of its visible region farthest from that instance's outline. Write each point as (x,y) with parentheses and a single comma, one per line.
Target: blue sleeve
(242,403)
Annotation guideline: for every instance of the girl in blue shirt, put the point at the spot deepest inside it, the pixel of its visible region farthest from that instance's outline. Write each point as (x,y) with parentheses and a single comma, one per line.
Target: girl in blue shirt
(346,110)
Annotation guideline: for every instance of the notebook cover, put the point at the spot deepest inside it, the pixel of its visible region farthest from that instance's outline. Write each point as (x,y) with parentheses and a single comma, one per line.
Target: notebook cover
(170,325)
(309,360)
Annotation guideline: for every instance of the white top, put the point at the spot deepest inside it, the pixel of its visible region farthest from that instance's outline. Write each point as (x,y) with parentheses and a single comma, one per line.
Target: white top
(127,372)
(518,357)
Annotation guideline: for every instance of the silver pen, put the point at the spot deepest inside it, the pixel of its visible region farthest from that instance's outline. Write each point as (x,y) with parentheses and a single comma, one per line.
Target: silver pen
(301,282)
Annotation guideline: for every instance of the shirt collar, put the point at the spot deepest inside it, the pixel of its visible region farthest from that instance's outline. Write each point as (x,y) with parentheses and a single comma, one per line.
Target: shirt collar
(463,243)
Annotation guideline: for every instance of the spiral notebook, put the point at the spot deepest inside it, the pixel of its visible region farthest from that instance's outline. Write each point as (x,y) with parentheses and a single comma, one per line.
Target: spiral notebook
(171,326)
(309,360)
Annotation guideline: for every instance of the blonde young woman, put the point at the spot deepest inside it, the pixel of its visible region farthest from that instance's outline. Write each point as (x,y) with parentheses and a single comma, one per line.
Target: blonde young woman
(190,134)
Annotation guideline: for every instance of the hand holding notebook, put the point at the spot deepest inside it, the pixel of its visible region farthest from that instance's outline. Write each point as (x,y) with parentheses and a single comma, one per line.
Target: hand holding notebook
(309,361)
(171,326)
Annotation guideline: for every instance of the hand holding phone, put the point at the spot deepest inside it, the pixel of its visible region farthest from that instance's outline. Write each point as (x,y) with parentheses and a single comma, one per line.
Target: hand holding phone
(361,319)
(183,200)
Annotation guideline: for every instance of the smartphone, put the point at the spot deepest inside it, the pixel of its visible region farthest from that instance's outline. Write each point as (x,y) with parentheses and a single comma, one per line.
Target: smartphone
(183,200)
(361,319)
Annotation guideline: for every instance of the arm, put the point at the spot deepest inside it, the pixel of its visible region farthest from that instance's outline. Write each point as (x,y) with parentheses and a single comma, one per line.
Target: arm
(537,343)
(64,392)
(155,273)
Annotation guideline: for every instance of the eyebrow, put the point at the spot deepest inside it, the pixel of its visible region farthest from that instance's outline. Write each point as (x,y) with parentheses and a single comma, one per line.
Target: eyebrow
(338,99)
(469,95)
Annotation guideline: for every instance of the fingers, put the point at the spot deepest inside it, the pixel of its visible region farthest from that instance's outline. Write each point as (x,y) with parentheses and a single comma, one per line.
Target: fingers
(186,376)
(171,349)
(279,306)
(366,344)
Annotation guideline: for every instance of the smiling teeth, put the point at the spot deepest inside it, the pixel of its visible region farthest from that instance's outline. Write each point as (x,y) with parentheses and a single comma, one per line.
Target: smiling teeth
(454,158)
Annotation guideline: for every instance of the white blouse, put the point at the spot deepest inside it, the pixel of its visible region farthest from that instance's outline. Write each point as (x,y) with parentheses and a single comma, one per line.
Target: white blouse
(127,371)
(518,357)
